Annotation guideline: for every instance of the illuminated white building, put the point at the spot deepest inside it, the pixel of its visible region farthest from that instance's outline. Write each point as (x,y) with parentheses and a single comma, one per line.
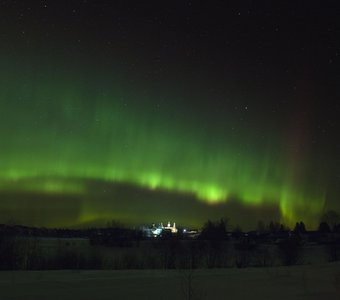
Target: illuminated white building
(173,228)
(156,231)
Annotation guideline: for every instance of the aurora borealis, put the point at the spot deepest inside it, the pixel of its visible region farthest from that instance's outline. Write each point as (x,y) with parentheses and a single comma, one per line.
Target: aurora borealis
(141,116)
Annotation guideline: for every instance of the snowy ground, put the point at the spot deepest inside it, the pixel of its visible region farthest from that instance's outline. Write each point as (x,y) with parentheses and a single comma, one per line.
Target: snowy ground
(298,282)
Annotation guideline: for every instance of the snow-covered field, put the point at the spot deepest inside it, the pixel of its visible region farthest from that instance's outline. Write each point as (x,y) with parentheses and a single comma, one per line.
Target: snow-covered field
(288,283)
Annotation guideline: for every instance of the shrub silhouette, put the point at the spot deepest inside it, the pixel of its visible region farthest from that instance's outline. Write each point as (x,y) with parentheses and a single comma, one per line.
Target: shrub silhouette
(290,250)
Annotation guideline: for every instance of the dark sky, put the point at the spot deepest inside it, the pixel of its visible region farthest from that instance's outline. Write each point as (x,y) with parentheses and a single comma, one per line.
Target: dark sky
(145,111)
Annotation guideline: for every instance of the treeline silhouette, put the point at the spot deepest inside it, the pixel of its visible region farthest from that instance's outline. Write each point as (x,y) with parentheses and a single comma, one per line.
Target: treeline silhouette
(218,245)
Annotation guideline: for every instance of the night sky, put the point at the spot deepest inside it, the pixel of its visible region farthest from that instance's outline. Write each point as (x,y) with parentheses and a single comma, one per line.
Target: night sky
(156,111)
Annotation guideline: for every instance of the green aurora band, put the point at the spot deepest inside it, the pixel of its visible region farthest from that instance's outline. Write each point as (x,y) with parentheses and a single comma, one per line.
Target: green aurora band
(59,131)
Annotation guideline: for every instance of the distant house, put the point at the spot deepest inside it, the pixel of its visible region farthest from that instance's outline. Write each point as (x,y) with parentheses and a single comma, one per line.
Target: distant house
(156,231)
